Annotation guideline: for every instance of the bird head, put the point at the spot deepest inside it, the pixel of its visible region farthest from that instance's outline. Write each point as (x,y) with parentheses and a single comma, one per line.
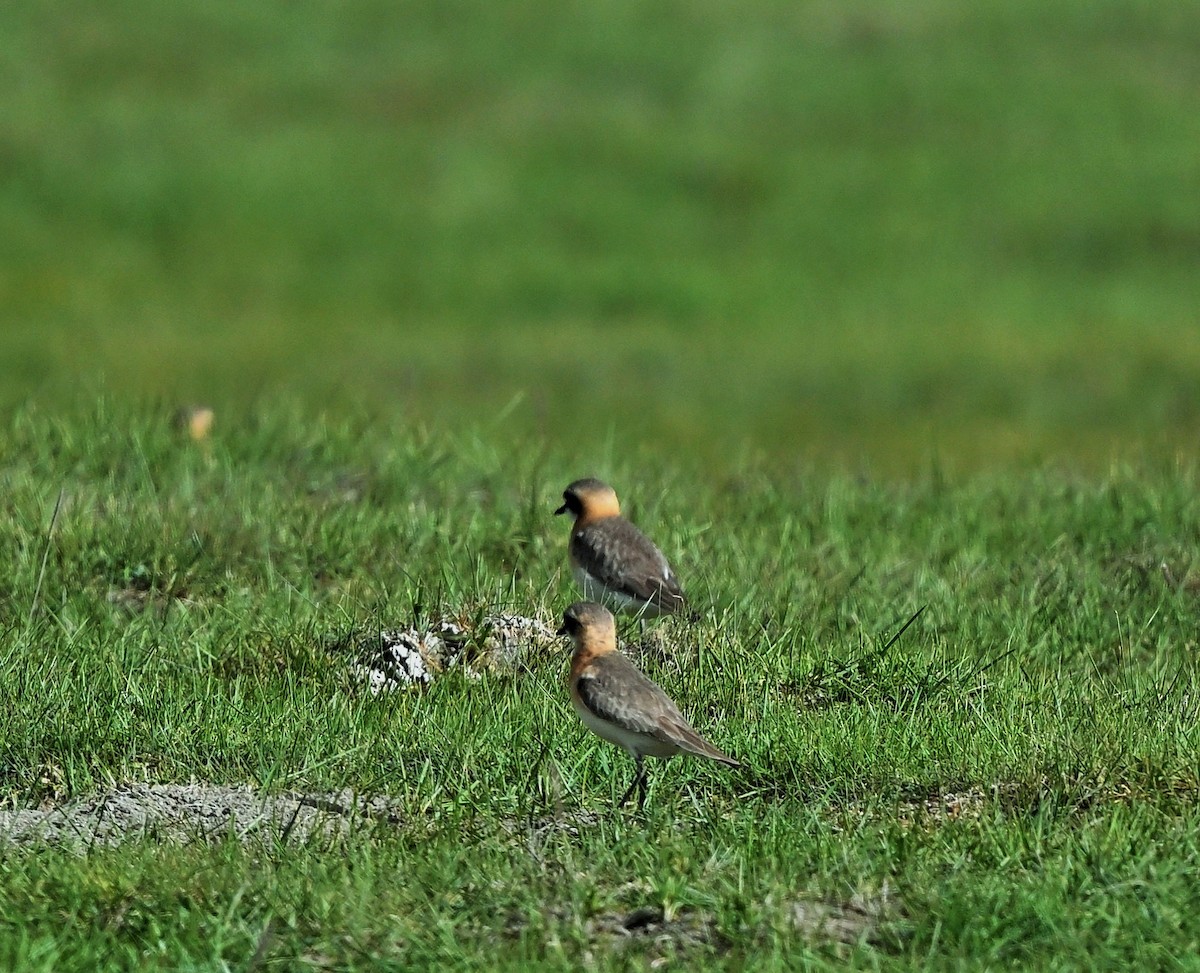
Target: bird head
(589,498)
(589,625)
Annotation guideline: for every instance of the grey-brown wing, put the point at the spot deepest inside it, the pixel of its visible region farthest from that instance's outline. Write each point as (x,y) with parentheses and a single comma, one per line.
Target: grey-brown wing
(622,558)
(615,690)
(684,735)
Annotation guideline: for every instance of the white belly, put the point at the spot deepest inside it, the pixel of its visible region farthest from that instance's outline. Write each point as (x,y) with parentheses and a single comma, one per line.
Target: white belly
(635,743)
(594,590)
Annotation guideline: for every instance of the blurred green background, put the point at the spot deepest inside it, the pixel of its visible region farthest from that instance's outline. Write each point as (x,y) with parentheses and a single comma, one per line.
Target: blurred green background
(844,231)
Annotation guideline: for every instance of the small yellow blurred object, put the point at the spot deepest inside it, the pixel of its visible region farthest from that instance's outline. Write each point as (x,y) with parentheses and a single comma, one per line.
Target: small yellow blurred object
(195,420)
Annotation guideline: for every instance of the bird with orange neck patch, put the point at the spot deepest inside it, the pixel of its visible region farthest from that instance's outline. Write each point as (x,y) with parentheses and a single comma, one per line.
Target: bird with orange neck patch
(619,703)
(611,560)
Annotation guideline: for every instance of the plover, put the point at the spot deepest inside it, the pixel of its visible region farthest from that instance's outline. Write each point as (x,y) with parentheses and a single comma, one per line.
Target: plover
(619,703)
(611,560)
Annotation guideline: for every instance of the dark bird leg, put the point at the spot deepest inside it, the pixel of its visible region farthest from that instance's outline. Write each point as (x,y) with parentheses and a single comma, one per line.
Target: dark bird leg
(639,783)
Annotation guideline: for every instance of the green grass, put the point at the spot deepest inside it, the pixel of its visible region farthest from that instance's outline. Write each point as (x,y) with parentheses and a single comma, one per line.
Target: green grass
(863,306)
(850,231)
(1046,692)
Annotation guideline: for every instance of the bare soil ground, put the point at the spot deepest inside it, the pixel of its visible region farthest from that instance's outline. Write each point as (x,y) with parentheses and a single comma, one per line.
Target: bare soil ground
(192,812)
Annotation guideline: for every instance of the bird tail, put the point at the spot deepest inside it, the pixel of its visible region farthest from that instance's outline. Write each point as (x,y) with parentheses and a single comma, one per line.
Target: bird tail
(688,739)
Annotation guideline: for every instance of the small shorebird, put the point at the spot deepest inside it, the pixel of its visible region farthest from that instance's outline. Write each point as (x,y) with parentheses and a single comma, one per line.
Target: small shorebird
(611,560)
(617,702)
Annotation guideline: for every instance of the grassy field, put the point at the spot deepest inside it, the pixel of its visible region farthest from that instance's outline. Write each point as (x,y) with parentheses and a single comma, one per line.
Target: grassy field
(1014,780)
(864,307)
(852,231)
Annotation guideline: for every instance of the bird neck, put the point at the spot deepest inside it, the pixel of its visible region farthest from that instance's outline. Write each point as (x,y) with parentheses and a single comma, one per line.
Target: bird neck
(600,508)
(590,647)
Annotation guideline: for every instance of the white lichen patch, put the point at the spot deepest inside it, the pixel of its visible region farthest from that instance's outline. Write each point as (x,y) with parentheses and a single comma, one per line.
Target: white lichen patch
(399,658)
(508,639)
(415,656)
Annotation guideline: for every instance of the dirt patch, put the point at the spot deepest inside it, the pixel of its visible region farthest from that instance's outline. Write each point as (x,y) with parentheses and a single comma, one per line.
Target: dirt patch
(950,806)
(647,931)
(655,933)
(193,812)
(861,919)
